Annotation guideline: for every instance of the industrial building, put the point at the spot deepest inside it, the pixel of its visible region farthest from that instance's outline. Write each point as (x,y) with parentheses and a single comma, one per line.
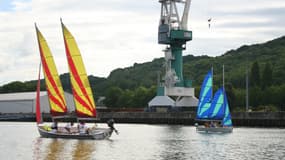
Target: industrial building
(24,102)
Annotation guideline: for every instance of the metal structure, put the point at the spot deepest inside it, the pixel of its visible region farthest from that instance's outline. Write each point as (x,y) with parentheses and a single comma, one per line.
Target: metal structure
(173,33)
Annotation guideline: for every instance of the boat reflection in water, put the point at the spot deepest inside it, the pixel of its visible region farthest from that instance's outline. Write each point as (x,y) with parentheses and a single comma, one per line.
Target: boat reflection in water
(83,150)
(55,149)
(63,149)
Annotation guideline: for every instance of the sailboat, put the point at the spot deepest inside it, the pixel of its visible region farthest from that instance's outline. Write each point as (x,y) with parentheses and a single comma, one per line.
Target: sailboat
(83,98)
(214,112)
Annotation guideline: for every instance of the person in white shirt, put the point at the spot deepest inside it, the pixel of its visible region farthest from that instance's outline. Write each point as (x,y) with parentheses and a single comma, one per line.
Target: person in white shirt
(82,128)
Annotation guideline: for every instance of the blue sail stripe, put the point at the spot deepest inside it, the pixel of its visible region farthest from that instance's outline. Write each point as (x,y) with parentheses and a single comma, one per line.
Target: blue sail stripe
(205,95)
(217,109)
(206,106)
(227,121)
(218,106)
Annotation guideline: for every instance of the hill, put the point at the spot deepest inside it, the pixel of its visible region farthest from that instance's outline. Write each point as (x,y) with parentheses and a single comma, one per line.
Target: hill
(143,77)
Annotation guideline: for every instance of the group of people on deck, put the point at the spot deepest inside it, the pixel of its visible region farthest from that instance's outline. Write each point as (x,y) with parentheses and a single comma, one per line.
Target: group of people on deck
(81,128)
(212,124)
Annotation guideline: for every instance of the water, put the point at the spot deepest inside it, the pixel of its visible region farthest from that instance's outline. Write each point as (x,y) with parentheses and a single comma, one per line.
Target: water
(144,142)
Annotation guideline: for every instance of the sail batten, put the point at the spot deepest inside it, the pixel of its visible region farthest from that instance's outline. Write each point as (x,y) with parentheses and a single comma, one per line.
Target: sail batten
(82,93)
(53,85)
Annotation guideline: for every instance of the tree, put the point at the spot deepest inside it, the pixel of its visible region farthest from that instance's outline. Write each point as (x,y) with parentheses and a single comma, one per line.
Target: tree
(266,76)
(255,75)
(112,97)
(126,99)
(16,86)
(255,96)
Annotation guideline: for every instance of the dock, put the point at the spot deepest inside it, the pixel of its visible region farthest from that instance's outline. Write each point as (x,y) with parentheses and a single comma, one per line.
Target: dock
(249,119)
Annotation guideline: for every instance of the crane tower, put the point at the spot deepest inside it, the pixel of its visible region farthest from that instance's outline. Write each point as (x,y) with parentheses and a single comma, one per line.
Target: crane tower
(173,33)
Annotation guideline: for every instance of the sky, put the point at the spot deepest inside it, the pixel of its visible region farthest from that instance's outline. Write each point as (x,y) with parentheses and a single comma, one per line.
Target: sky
(118,33)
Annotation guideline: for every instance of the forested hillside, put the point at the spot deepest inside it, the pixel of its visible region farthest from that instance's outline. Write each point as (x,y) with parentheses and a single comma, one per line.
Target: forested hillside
(134,86)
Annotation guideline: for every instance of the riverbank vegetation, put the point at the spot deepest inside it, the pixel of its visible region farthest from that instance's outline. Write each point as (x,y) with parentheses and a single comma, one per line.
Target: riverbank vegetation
(135,86)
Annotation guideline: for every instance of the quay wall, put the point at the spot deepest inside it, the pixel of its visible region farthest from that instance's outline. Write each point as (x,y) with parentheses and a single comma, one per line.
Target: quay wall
(251,119)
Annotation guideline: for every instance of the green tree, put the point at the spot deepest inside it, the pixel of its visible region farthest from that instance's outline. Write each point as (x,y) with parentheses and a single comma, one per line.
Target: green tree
(266,76)
(140,97)
(126,99)
(255,96)
(112,97)
(14,87)
(255,75)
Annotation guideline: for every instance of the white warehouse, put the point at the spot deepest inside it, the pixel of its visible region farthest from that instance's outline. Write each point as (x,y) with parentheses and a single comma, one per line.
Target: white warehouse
(24,102)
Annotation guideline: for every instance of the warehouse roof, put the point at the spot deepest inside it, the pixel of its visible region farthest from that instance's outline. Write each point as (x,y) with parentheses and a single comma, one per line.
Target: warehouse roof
(161,101)
(20,96)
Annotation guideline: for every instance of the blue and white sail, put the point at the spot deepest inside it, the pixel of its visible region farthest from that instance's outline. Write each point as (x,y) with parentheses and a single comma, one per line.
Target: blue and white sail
(217,108)
(205,96)
(227,121)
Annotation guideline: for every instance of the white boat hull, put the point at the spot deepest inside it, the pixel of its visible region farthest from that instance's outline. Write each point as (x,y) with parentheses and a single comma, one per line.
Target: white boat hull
(214,129)
(96,134)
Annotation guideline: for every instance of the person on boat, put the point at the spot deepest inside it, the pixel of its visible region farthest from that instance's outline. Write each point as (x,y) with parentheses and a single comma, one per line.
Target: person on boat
(212,124)
(54,127)
(110,123)
(207,125)
(82,128)
(69,126)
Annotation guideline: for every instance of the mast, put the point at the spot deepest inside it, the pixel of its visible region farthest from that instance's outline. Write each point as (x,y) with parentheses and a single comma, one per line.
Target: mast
(224,90)
(224,77)
(247,95)
(38,108)
(212,82)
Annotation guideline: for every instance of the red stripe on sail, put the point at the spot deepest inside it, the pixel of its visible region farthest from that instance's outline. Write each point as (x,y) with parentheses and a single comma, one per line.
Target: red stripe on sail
(38,109)
(82,102)
(56,101)
(49,76)
(75,73)
(81,114)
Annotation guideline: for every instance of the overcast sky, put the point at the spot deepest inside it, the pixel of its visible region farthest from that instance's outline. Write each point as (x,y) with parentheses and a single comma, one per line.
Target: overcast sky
(119,33)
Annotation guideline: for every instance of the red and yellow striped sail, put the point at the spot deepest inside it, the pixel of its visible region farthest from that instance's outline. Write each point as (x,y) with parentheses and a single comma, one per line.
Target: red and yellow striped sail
(53,85)
(82,93)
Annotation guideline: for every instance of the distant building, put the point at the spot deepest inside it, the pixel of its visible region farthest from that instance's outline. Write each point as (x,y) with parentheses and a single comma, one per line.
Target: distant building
(24,102)
(166,104)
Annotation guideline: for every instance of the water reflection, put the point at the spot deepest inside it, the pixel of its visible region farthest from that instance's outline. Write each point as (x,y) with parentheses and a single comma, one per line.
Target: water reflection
(37,148)
(173,145)
(49,149)
(83,149)
(55,149)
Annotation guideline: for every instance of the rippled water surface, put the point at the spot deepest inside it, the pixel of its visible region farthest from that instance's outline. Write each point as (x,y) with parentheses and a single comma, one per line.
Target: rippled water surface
(144,142)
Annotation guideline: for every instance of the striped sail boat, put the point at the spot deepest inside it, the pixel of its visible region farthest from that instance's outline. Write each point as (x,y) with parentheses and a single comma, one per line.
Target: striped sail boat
(214,110)
(82,93)
(83,97)
(58,107)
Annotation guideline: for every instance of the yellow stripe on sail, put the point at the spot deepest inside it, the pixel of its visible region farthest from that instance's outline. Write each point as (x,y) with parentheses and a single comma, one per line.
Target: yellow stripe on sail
(53,84)
(82,92)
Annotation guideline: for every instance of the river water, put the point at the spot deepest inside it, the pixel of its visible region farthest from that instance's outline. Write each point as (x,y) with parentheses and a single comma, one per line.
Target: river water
(21,140)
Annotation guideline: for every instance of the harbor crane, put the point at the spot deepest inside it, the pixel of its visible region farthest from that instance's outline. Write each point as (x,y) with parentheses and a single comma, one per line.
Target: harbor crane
(173,32)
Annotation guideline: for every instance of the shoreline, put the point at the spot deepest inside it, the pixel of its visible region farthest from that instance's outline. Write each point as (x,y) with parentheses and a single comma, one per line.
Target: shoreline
(246,119)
